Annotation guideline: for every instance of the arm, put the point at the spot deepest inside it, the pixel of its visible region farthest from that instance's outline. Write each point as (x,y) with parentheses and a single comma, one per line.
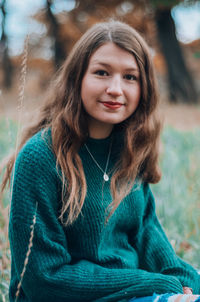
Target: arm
(50,274)
(156,253)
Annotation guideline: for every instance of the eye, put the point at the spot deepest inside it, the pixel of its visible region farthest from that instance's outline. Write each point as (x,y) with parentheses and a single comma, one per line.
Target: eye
(101,73)
(130,77)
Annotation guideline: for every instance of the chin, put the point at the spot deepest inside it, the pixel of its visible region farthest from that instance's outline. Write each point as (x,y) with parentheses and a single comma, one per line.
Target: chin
(111,121)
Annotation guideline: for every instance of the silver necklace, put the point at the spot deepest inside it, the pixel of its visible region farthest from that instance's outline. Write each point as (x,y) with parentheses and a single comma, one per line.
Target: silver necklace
(105,175)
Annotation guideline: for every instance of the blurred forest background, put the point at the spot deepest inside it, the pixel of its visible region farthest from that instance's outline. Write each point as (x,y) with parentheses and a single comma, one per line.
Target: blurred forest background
(28,62)
(57,24)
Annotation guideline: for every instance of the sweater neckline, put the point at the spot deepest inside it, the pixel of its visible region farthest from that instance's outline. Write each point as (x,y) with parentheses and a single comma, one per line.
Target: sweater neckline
(99,145)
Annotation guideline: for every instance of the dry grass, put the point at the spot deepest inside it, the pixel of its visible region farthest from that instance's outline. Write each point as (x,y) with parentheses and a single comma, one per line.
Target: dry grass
(27,254)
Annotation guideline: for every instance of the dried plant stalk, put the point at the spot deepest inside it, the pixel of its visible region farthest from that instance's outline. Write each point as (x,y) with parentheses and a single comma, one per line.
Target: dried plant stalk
(27,254)
(21,97)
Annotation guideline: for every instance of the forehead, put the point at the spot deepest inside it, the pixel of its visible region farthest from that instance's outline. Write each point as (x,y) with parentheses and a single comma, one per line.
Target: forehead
(111,53)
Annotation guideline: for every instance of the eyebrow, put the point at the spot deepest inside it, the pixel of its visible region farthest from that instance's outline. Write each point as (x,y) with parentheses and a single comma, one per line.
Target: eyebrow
(108,65)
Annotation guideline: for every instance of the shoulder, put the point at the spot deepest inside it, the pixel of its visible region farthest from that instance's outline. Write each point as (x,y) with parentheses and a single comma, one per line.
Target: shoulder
(37,151)
(144,193)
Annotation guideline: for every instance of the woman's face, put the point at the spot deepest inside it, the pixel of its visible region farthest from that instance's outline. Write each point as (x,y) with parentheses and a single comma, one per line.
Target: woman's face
(110,89)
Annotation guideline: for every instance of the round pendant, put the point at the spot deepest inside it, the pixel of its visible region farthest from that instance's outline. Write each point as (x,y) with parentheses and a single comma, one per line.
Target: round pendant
(105,177)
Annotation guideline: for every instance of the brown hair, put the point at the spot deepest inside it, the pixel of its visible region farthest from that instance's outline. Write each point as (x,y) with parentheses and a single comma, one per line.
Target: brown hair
(63,112)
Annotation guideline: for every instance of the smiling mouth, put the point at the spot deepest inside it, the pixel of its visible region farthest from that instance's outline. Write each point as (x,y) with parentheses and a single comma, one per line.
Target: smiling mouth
(112,105)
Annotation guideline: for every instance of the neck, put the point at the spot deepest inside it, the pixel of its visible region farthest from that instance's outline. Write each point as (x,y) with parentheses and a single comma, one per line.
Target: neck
(99,130)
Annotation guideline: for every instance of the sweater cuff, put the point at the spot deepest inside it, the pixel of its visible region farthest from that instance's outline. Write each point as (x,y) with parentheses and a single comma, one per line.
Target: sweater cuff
(159,285)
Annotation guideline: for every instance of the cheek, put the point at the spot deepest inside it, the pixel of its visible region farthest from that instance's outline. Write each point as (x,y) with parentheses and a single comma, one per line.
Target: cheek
(134,100)
(91,87)
(88,94)
(134,96)
(88,89)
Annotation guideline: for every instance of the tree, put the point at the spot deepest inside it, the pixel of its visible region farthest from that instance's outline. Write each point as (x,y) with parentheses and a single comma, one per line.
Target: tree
(6,62)
(59,53)
(180,81)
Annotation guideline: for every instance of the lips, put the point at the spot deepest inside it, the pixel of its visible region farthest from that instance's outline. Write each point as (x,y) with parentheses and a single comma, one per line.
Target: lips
(112,105)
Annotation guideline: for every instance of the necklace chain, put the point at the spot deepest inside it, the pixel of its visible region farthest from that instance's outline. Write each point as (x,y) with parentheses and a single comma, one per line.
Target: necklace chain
(105,175)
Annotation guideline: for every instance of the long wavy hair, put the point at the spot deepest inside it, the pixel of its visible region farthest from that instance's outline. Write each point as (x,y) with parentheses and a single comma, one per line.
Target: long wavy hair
(64,113)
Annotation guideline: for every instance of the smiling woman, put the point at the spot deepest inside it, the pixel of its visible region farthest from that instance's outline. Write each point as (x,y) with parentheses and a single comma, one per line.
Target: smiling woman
(83,225)
(110,89)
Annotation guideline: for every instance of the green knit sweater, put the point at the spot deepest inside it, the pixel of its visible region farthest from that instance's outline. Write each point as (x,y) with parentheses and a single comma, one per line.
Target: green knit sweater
(88,261)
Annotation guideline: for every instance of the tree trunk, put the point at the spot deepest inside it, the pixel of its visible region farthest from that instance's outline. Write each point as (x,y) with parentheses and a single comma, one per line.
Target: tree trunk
(181,84)
(6,62)
(59,53)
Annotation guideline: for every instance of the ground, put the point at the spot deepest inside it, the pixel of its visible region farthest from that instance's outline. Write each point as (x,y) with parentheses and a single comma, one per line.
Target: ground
(182,117)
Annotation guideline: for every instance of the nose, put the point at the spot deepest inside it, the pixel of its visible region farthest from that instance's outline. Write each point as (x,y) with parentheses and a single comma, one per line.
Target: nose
(114,86)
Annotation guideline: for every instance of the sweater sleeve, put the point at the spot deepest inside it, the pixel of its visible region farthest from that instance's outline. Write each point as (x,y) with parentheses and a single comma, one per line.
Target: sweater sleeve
(156,253)
(50,274)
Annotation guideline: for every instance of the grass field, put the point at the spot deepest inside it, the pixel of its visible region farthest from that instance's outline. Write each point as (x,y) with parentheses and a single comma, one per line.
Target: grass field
(177,195)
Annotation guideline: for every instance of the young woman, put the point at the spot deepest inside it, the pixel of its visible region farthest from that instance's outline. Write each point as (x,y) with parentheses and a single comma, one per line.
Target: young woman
(82,222)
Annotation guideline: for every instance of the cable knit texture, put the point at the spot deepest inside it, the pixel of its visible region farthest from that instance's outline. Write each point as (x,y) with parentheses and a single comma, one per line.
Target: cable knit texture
(89,260)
